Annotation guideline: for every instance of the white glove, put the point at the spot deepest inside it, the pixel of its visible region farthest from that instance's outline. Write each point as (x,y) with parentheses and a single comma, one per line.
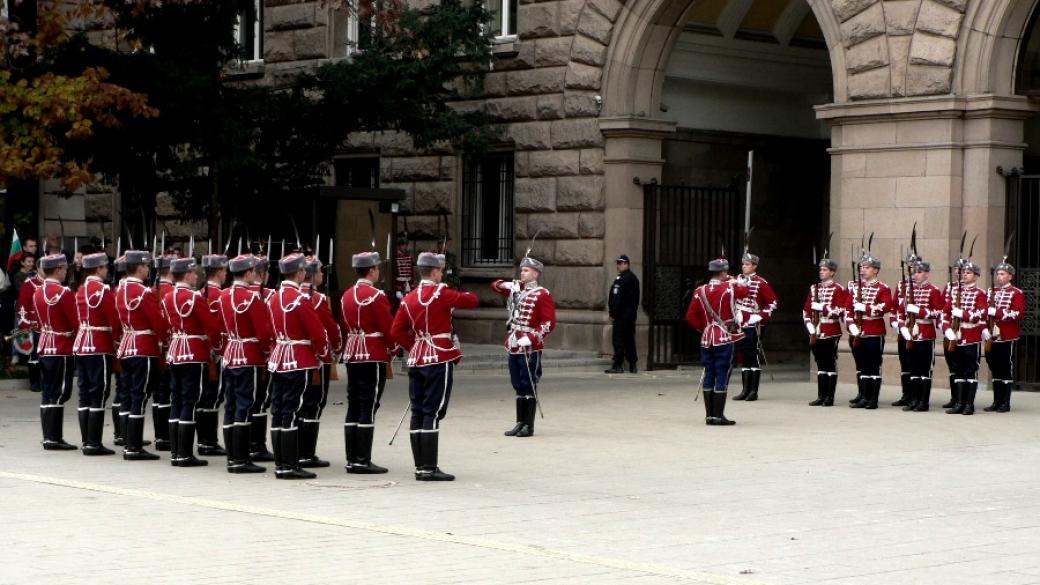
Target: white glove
(949,334)
(895,326)
(992,312)
(854,330)
(810,328)
(913,309)
(905,332)
(514,286)
(816,306)
(860,307)
(524,341)
(958,313)
(986,335)
(753,320)
(400,295)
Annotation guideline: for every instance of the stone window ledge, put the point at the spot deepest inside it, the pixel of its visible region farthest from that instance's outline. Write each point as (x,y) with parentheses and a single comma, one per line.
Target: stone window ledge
(245,69)
(504,47)
(496,271)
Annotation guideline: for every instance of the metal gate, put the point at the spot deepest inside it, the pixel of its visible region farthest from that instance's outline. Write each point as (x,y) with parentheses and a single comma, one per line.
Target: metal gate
(683,229)
(1023,216)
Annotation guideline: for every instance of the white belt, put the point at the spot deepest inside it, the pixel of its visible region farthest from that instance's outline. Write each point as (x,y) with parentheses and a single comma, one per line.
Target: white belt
(293,341)
(924,322)
(138,332)
(50,331)
(243,339)
(363,334)
(93,328)
(186,336)
(969,325)
(828,321)
(865,318)
(435,336)
(524,329)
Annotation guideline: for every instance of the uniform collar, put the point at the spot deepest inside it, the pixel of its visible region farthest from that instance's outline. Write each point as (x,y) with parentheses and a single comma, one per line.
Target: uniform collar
(211,283)
(133,279)
(1008,285)
(750,276)
(290,284)
(365,281)
(182,284)
(828,282)
(240,283)
(166,280)
(429,282)
(714,281)
(871,282)
(54,280)
(95,278)
(532,285)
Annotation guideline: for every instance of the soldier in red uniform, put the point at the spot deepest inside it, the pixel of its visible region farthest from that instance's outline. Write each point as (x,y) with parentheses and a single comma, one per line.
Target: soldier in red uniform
(301,342)
(95,348)
(194,335)
(55,309)
(161,396)
(26,319)
(963,320)
(1007,308)
(532,317)
(143,327)
(247,340)
(713,312)
(369,345)
(260,411)
(822,312)
(121,392)
(915,322)
(423,326)
(317,394)
(756,310)
(208,407)
(869,300)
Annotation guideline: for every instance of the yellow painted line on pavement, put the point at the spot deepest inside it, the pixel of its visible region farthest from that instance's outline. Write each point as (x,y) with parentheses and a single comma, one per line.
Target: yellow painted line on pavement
(612,563)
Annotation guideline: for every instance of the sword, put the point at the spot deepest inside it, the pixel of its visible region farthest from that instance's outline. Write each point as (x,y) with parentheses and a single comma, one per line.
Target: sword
(747,195)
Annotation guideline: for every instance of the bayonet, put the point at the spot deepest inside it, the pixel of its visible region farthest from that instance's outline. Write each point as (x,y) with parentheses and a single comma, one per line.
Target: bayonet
(296,232)
(372,228)
(870,243)
(191,247)
(913,240)
(971,252)
(119,246)
(231,235)
(1007,246)
(317,248)
(239,252)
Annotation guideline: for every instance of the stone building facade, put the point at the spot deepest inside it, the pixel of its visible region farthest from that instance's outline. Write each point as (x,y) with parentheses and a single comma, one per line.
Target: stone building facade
(922,109)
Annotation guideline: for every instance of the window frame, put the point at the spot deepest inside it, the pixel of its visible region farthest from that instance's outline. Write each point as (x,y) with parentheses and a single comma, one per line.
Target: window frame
(508,26)
(258,34)
(472,225)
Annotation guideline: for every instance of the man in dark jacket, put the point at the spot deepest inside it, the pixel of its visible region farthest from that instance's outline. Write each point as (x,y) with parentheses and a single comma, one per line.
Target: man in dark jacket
(624,306)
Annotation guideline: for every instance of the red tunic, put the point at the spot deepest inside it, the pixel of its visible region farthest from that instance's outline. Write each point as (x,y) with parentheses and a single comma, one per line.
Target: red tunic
(878,300)
(194,331)
(930,303)
(533,315)
(99,326)
(143,323)
(55,307)
(832,296)
(301,341)
(368,323)
(247,326)
(972,300)
(760,300)
(1009,305)
(26,309)
(423,323)
(324,310)
(722,298)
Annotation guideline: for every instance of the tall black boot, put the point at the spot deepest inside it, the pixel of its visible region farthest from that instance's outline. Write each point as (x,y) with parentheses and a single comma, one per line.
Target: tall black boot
(998,395)
(925,395)
(520,401)
(172,431)
(832,387)
(874,387)
(954,396)
(904,386)
(134,451)
(290,448)
(258,439)
(350,443)
(718,406)
(363,457)
(530,406)
(959,394)
(1005,405)
(117,426)
(308,444)
(186,446)
(745,384)
(970,388)
(429,457)
(53,434)
(754,377)
(859,389)
(914,395)
(276,444)
(415,436)
(95,429)
(228,432)
(709,411)
(821,388)
(237,443)
(164,436)
(206,423)
(863,393)
(83,416)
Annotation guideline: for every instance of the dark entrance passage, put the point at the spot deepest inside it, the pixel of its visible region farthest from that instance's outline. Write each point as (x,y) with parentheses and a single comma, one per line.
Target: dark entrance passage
(1023,217)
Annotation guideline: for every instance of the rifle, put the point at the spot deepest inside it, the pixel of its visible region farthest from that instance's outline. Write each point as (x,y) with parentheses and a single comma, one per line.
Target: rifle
(992,303)
(911,320)
(816,299)
(958,296)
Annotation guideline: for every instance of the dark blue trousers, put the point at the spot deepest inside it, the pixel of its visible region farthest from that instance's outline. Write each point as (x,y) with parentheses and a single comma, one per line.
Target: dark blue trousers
(286,397)
(429,389)
(718,361)
(316,395)
(56,373)
(365,383)
(185,388)
(95,379)
(141,376)
(240,393)
(522,372)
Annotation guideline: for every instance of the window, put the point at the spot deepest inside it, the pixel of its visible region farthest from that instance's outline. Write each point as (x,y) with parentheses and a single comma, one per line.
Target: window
(357,172)
(503,18)
(487,210)
(249,33)
(350,33)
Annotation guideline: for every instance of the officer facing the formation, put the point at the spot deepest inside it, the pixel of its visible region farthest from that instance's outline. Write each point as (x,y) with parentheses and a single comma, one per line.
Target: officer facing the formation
(317,394)
(823,312)
(369,345)
(532,317)
(55,309)
(301,342)
(247,339)
(623,306)
(712,311)
(423,326)
(194,335)
(1007,307)
(869,300)
(208,407)
(161,404)
(963,319)
(260,411)
(914,319)
(95,348)
(756,309)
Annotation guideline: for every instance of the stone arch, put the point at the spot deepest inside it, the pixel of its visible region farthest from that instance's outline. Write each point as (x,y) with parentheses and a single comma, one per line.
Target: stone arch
(642,38)
(989,48)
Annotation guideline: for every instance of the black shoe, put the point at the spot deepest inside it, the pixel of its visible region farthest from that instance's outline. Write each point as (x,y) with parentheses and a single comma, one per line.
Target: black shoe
(525,431)
(163,445)
(614,370)
(308,442)
(247,467)
(58,445)
(519,417)
(901,402)
(186,447)
(832,386)
(415,438)
(363,454)
(874,387)
(133,451)
(206,425)
(53,420)
(957,403)
(429,470)
(290,454)
(212,450)
(141,455)
(367,468)
(998,396)
(718,407)
(755,376)
(83,417)
(969,399)
(237,440)
(261,455)
(745,384)
(95,428)
(117,426)
(953,394)
(632,369)
(435,474)
(821,390)
(859,391)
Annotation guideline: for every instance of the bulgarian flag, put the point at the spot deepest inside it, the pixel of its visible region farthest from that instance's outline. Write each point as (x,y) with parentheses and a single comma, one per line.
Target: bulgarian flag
(16,244)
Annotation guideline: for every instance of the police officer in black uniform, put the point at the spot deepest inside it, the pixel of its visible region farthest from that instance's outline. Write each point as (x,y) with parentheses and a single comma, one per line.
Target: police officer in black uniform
(624,306)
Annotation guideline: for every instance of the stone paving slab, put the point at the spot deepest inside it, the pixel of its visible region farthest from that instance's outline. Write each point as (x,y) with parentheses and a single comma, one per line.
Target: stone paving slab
(622,483)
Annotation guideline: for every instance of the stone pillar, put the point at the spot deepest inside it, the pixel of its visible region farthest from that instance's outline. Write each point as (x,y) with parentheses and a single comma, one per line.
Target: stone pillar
(927,160)
(632,150)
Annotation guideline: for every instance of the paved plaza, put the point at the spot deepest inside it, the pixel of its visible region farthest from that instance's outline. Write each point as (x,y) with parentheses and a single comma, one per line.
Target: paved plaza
(622,483)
